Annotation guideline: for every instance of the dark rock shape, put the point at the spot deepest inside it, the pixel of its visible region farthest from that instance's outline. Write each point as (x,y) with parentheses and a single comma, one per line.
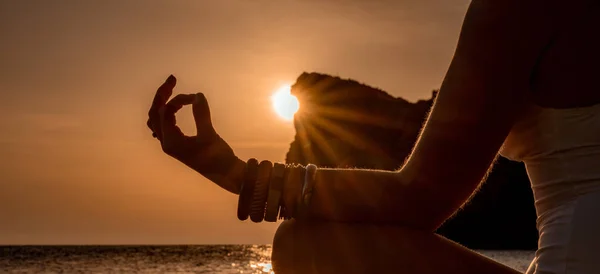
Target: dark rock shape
(343,123)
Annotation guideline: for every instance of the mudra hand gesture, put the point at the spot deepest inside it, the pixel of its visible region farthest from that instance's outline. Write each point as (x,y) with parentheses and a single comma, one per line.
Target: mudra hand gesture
(206,152)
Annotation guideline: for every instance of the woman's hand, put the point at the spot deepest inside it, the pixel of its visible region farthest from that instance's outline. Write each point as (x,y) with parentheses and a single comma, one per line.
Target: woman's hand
(207,152)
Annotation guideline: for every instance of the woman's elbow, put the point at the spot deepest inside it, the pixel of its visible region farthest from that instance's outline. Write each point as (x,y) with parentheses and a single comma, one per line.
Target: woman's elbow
(426,208)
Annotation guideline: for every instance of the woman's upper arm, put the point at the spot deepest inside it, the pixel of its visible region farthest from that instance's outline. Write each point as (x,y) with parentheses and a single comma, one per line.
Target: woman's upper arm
(481,96)
(502,40)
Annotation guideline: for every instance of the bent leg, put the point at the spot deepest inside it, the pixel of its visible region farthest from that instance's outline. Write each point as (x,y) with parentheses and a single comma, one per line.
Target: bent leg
(327,248)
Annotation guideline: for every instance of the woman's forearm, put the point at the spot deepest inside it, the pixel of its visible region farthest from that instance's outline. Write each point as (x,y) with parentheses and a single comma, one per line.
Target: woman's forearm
(370,196)
(443,171)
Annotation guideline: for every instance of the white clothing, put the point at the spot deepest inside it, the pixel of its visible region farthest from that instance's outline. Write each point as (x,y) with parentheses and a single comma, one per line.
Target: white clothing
(561,151)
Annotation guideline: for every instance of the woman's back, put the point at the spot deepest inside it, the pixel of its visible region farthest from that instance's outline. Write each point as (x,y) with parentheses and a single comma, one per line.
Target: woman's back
(558,138)
(567,72)
(561,150)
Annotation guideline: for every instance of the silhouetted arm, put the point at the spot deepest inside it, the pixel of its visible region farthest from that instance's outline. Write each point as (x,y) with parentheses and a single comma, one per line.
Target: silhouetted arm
(480,98)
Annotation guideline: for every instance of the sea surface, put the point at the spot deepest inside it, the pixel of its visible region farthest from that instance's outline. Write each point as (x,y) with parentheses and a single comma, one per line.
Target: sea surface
(166,259)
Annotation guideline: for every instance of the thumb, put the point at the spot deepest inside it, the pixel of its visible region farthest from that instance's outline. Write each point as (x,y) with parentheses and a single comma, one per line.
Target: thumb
(201,113)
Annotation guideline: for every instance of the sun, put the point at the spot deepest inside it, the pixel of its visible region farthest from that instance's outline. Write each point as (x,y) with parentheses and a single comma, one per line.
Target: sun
(284,103)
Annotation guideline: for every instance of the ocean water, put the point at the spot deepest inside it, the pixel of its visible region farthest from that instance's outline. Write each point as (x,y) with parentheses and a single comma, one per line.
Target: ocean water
(166,259)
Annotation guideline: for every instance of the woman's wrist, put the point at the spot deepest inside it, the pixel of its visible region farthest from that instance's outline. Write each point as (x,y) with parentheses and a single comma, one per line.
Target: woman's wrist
(229,175)
(292,190)
(235,175)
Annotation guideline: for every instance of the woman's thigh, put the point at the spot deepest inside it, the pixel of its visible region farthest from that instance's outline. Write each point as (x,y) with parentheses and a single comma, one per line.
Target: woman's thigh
(321,247)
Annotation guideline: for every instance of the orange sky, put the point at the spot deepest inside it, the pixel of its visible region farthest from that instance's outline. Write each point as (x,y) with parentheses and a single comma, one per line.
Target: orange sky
(78,164)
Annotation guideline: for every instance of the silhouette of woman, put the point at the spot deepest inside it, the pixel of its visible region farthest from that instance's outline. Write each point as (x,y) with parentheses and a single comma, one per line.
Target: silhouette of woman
(522,83)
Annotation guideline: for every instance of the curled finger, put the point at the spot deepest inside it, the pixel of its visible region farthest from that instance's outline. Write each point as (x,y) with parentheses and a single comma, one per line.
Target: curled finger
(160,99)
(176,104)
(172,134)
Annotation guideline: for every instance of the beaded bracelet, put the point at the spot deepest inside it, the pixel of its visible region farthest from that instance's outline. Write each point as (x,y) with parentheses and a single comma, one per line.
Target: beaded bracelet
(293,181)
(274,195)
(247,190)
(307,191)
(262,193)
(261,189)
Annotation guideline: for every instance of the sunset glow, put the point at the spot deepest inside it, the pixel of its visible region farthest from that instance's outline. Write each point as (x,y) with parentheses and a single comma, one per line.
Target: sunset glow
(284,103)
(80,165)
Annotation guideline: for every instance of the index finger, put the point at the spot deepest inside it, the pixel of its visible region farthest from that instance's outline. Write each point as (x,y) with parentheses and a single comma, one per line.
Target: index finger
(163,93)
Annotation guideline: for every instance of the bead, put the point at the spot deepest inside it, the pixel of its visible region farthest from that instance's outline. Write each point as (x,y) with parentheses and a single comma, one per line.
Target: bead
(261,189)
(275,191)
(292,190)
(307,191)
(247,190)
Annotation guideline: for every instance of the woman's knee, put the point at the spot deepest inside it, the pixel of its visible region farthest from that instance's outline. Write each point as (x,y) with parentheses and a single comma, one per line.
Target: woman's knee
(323,247)
(305,247)
(283,232)
(283,239)
(284,252)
